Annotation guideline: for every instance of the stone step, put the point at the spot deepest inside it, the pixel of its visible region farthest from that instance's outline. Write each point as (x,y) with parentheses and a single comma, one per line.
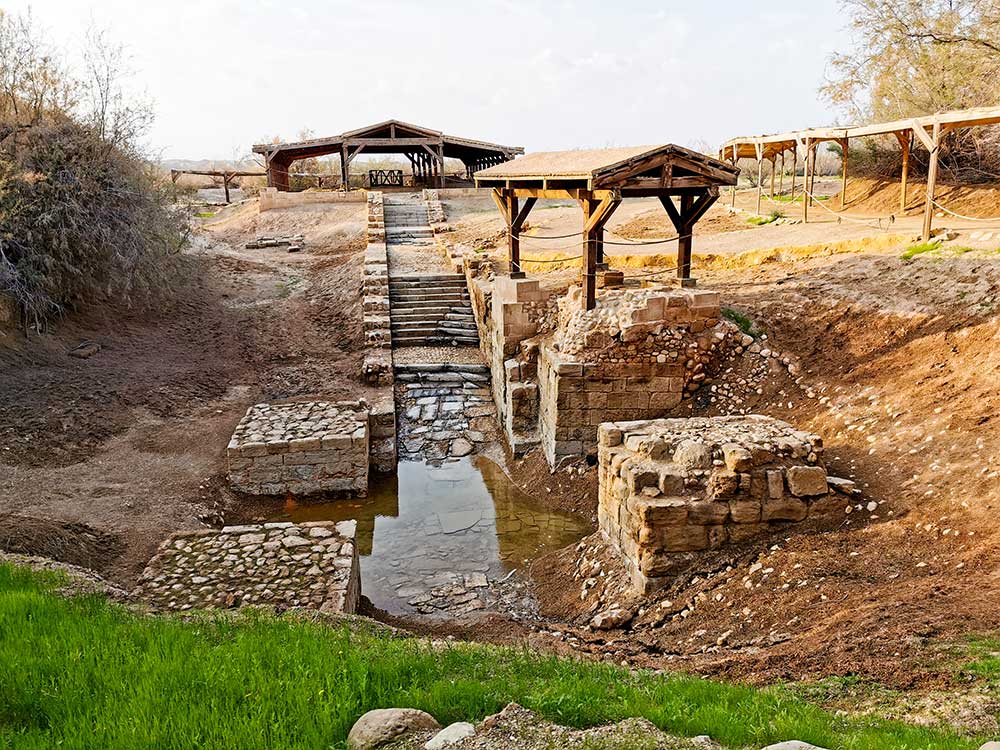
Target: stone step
(422,340)
(457,296)
(430,277)
(447,283)
(441,367)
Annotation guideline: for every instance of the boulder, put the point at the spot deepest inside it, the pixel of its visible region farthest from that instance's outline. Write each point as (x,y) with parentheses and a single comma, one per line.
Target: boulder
(990,746)
(792,745)
(611,618)
(450,735)
(383,725)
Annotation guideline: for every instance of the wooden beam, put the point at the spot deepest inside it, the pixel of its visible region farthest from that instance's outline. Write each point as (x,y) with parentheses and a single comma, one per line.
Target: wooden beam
(795,168)
(932,171)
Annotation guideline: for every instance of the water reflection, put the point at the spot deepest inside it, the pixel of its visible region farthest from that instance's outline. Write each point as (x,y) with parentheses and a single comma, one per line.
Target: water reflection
(433,529)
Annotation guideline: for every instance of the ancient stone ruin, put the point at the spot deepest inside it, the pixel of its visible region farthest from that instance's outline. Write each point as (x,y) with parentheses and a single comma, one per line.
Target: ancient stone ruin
(312,565)
(670,488)
(301,448)
(560,370)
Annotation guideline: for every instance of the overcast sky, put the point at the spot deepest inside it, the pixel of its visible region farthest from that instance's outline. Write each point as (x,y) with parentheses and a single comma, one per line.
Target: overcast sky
(545,75)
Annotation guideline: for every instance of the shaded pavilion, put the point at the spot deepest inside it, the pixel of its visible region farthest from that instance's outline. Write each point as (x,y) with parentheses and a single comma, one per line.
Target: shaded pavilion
(924,131)
(425,149)
(600,179)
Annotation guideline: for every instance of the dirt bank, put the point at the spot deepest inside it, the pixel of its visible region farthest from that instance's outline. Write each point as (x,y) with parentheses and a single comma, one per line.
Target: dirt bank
(129,445)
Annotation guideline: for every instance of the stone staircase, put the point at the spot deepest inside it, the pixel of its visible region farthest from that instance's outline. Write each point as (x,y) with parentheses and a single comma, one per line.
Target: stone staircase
(431,310)
(406,220)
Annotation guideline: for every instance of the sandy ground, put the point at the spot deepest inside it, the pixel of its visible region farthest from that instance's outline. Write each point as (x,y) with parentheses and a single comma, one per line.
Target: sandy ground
(104,457)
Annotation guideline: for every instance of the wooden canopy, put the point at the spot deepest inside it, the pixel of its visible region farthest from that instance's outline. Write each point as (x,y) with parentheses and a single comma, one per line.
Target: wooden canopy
(926,131)
(600,179)
(426,150)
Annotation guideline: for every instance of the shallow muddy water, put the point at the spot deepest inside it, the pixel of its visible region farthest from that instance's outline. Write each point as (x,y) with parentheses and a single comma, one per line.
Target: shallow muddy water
(431,536)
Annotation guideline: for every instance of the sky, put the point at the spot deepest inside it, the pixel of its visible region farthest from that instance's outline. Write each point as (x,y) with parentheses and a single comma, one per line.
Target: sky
(548,75)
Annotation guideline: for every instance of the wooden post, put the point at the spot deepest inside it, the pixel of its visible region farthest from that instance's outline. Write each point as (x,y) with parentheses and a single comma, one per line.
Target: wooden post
(225,187)
(773,165)
(735,159)
(760,173)
(806,192)
(795,168)
(904,142)
(513,236)
(344,170)
(844,146)
(931,181)
(684,220)
(589,256)
(781,175)
(441,175)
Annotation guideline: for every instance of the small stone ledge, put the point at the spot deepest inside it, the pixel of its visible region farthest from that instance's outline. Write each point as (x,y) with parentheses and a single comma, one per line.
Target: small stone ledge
(303,448)
(670,488)
(310,565)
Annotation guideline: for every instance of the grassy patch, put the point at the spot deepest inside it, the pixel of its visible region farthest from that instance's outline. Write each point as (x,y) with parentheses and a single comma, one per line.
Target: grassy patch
(759,221)
(83,673)
(984,656)
(742,321)
(205,214)
(798,198)
(920,249)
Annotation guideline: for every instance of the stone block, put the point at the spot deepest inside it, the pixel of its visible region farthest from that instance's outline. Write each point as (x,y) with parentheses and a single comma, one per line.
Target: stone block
(807,481)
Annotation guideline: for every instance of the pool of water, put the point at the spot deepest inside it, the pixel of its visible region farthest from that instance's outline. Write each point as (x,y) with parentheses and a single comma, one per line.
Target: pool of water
(431,536)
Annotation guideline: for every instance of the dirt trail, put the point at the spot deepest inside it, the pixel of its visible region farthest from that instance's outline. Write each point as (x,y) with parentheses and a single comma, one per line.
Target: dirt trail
(130,444)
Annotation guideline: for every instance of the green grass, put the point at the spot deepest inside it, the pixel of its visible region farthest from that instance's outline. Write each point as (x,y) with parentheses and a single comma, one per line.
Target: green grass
(205,214)
(798,198)
(759,221)
(744,322)
(920,248)
(985,655)
(83,673)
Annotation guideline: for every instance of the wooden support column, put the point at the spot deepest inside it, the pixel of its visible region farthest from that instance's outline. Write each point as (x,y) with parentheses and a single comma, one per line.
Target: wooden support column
(773,165)
(277,173)
(344,170)
(806,192)
(760,173)
(691,210)
(595,215)
(507,202)
(904,144)
(844,148)
(932,171)
(735,159)
(441,160)
(225,187)
(795,168)
(781,175)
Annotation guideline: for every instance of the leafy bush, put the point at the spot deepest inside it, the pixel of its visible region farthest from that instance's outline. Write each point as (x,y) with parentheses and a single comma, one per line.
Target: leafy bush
(83,216)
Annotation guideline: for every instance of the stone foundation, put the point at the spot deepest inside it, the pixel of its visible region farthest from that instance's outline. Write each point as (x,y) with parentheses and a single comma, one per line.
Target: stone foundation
(312,565)
(301,448)
(558,371)
(670,488)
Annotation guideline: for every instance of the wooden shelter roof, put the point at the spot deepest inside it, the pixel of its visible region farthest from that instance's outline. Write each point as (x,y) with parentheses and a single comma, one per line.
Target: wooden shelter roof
(666,165)
(746,146)
(389,136)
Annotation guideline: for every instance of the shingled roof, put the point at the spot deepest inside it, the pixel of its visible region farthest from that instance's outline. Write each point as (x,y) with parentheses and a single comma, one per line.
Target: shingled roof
(604,166)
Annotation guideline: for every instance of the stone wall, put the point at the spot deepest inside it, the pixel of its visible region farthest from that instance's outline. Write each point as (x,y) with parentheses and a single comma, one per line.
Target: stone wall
(633,357)
(311,565)
(271,198)
(435,209)
(301,448)
(558,371)
(377,365)
(671,488)
(509,313)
